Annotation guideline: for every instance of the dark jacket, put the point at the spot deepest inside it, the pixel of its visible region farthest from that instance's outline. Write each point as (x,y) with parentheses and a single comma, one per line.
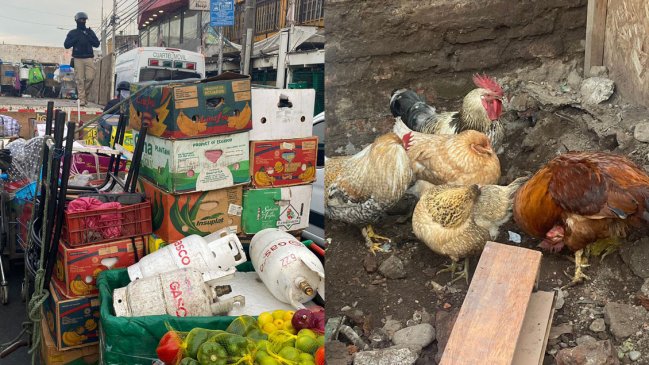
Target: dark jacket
(81,42)
(112,103)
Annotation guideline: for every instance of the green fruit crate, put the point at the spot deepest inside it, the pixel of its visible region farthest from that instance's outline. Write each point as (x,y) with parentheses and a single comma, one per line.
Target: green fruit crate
(133,340)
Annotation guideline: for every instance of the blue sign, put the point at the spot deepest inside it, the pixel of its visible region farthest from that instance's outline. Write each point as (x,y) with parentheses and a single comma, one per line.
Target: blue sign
(221,13)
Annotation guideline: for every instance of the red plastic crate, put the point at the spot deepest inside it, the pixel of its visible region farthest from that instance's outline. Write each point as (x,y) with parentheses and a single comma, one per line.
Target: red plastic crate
(105,225)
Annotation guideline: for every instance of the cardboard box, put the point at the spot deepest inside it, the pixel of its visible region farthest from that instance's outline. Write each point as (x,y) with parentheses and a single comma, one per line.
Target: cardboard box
(283,162)
(155,243)
(284,208)
(72,322)
(77,267)
(193,109)
(7,74)
(203,164)
(176,216)
(282,113)
(88,355)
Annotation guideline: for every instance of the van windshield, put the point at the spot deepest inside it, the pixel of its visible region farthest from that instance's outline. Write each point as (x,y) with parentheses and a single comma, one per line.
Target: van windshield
(163,74)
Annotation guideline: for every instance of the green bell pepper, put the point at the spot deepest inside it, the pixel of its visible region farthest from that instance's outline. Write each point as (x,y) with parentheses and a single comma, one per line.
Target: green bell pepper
(212,353)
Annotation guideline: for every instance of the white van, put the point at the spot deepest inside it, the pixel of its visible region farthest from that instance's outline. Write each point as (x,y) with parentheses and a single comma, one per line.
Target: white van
(158,64)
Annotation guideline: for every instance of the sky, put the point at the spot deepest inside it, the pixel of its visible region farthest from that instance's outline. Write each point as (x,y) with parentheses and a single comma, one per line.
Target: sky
(46,22)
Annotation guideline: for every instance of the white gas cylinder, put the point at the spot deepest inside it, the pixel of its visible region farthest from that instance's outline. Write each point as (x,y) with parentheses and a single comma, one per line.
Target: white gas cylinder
(179,293)
(290,271)
(210,254)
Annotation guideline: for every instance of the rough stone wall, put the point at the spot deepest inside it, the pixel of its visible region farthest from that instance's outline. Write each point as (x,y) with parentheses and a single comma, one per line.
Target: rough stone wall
(433,46)
(15,52)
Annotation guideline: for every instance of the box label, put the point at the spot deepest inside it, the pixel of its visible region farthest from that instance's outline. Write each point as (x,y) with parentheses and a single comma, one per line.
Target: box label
(186,103)
(242,96)
(239,86)
(186,92)
(214,90)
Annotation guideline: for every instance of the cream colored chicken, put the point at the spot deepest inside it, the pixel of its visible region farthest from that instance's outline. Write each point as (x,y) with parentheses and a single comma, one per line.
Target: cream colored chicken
(457,221)
(456,159)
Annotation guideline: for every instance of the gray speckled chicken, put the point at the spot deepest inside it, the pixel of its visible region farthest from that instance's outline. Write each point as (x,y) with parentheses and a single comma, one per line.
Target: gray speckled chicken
(360,188)
(457,221)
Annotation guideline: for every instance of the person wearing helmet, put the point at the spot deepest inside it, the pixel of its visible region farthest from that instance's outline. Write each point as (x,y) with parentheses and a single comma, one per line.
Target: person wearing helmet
(123,92)
(82,40)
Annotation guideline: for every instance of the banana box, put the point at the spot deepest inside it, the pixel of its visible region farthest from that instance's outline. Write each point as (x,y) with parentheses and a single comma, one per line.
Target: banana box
(284,208)
(88,355)
(72,322)
(176,216)
(193,109)
(284,162)
(76,269)
(282,113)
(201,164)
(155,243)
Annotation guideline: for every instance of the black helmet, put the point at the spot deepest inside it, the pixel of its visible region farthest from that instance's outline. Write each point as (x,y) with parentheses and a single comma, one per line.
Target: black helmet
(80,15)
(123,85)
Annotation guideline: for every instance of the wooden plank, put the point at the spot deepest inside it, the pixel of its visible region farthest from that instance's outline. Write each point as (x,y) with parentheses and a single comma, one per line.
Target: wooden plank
(533,339)
(491,317)
(595,34)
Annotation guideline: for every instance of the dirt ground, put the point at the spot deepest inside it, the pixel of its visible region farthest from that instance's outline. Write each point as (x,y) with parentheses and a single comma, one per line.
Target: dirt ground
(536,132)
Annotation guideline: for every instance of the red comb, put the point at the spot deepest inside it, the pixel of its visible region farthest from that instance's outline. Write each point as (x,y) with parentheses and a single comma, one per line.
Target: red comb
(406,140)
(487,82)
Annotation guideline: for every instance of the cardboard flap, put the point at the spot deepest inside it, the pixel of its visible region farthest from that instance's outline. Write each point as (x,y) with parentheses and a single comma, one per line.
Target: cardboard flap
(225,76)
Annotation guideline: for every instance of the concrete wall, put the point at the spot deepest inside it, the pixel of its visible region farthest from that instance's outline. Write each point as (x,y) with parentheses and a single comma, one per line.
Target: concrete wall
(374,47)
(14,53)
(626,48)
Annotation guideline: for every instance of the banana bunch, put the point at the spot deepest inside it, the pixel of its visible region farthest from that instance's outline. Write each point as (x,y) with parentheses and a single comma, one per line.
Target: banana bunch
(188,126)
(134,118)
(59,273)
(91,325)
(279,167)
(74,338)
(79,287)
(308,174)
(240,121)
(263,179)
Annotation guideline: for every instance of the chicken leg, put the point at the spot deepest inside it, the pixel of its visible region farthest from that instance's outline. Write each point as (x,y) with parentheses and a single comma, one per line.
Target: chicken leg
(580,262)
(452,268)
(371,237)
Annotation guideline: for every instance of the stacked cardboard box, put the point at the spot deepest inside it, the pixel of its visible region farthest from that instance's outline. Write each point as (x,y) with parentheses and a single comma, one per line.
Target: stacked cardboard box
(283,158)
(196,157)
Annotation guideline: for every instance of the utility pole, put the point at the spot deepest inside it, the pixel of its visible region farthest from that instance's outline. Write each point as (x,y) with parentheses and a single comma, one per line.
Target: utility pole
(114,23)
(221,41)
(249,34)
(103,30)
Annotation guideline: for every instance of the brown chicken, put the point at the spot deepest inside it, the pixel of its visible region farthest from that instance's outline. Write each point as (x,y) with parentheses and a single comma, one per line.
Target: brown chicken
(456,159)
(481,110)
(457,221)
(360,188)
(579,198)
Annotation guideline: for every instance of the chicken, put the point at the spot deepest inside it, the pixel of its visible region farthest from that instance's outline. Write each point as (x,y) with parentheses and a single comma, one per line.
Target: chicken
(458,159)
(360,188)
(457,221)
(579,198)
(481,110)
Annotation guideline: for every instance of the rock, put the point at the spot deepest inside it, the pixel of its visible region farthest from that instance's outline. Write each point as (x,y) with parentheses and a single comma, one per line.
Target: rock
(391,326)
(557,331)
(389,356)
(624,319)
(544,96)
(598,325)
(420,335)
(393,268)
(636,255)
(594,353)
(356,316)
(595,90)
(337,353)
(643,295)
(641,132)
(574,79)
(331,327)
(634,355)
(558,304)
(444,322)
(585,339)
(370,264)
(598,71)
(379,339)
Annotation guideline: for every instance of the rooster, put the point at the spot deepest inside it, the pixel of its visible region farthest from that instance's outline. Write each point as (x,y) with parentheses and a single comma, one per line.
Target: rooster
(360,188)
(579,198)
(457,221)
(457,159)
(481,110)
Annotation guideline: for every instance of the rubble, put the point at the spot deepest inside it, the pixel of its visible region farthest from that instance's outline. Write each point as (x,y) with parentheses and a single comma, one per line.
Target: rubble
(391,326)
(389,356)
(636,256)
(598,325)
(337,353)
(393,268)
(641,132)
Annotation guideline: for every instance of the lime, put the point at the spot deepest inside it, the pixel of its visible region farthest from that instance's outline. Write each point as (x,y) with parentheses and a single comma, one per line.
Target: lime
(289,353)
(307,332)
(321,340)
(268,361)
(306,357)
(306,344)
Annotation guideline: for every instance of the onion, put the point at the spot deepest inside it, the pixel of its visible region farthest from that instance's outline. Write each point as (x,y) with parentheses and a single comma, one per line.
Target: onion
(303,318)
(319,321)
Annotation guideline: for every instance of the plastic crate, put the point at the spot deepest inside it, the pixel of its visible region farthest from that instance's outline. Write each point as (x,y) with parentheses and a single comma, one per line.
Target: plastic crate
(105,225)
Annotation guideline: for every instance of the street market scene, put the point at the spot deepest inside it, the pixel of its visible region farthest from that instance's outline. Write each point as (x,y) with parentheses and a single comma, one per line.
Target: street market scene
(162,166)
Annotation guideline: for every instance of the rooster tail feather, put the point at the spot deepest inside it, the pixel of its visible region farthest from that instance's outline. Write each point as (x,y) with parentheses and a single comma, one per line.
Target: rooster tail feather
(412,109)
